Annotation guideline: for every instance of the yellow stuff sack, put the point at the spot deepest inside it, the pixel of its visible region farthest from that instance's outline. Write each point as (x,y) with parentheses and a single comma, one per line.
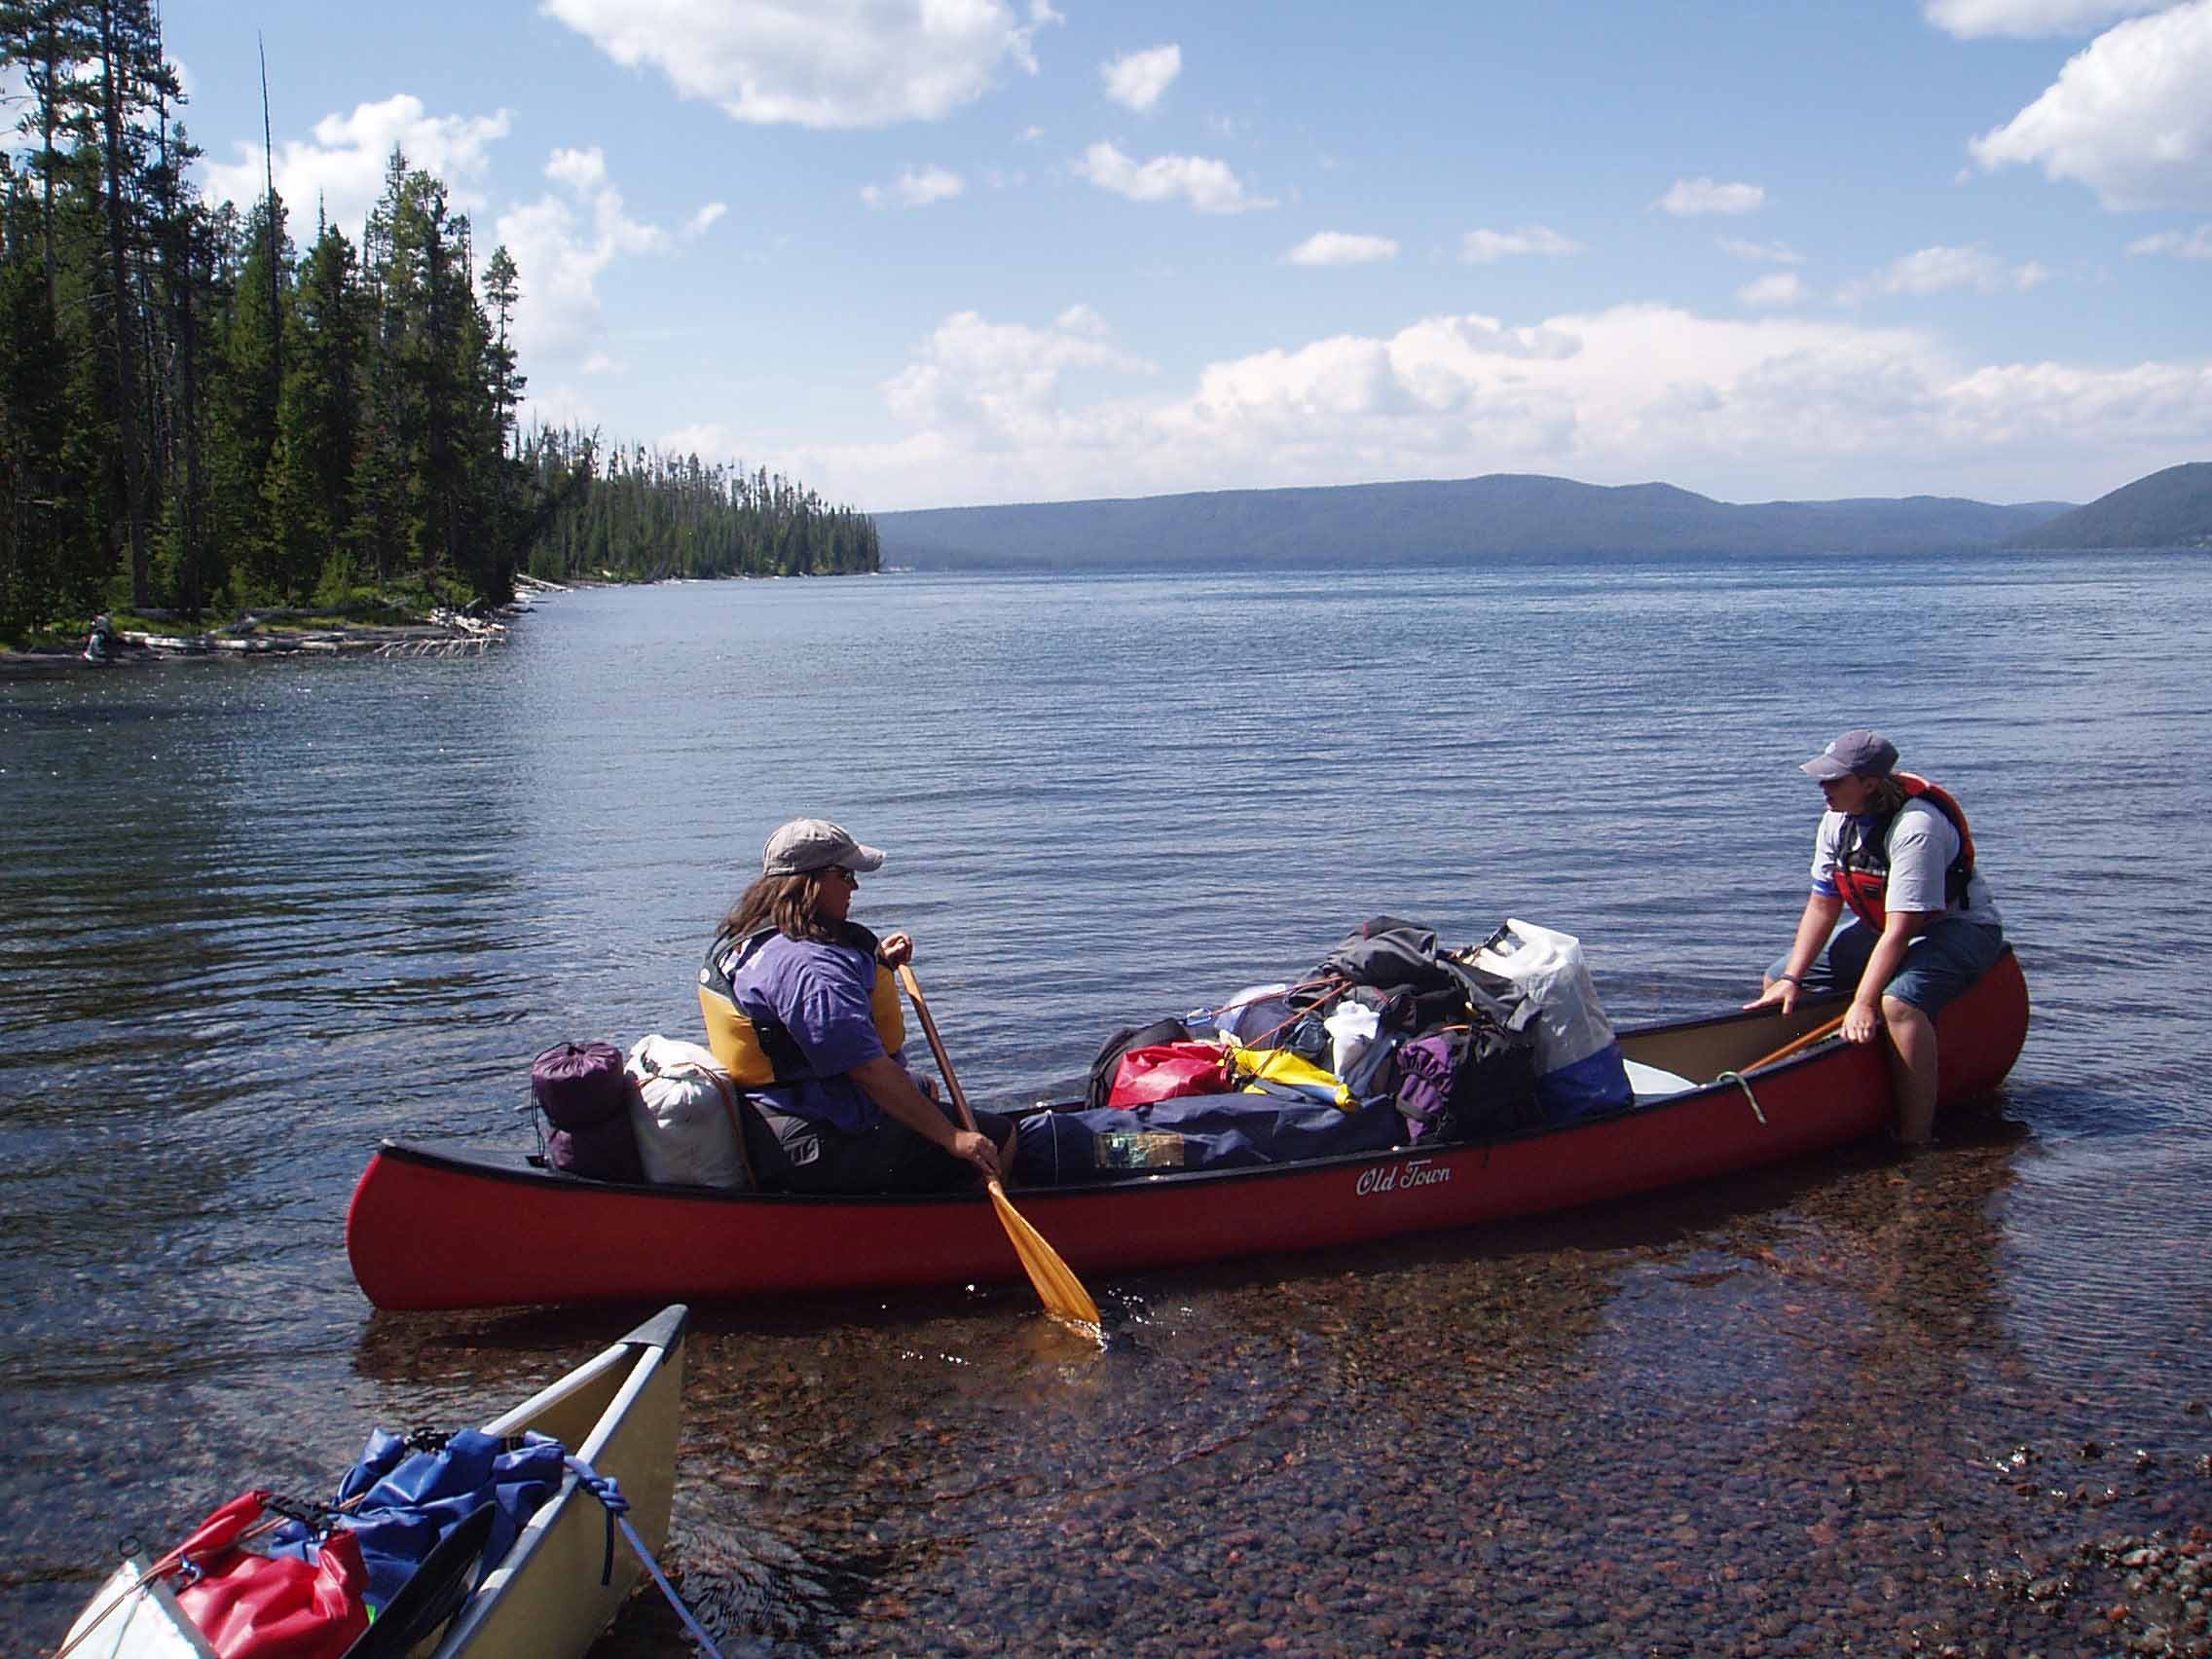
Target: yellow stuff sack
(1287,1070)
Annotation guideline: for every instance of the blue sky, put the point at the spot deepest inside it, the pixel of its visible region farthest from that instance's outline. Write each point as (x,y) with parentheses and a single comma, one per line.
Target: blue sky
(971,252)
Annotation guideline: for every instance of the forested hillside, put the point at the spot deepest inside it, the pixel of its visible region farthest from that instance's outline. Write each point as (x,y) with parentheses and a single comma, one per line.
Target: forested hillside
(204,409)
(1436,520)
(2172,508)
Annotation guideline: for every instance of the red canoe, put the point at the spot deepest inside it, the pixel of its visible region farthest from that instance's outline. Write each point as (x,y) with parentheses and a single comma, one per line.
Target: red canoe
(447,1226)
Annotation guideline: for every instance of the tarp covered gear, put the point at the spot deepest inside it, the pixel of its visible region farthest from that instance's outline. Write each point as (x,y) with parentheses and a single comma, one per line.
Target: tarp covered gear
(1216,1131)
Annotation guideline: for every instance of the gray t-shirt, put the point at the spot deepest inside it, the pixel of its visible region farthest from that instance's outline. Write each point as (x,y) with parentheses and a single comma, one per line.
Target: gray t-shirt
(1921,847)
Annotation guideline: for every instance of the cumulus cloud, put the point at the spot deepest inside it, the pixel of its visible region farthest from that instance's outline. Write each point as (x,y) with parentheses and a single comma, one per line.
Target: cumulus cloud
(1486,248)
(1209,186)
(2182,245)
(1744,407)
(1777,288)
(343,166)
(2129,115)
(1000,383)
(563,243)
(1138,80)
(821,63)
(1341,247)
(1939,270)
(1766,253)
(2026,19)
(701,221)
(914,187)
(1690,197)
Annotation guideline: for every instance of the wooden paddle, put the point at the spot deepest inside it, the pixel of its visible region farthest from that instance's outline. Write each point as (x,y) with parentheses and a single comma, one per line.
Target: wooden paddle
(1826,1029)
(1062,1292)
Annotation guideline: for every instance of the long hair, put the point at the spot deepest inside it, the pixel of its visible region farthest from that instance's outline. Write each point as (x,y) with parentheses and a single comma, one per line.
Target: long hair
(1888,795)
(789,904)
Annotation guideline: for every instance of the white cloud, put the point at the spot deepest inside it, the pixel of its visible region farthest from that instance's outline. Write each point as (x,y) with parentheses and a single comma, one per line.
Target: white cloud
(1138,80)
(562,244)
(1000,383)
(1341,247)
(2025,19)
(914,187)
(2189,244)
(1745,408)
(701,221)
(1688,197)
(1208,185)
(1939,270)
(1486,247)
(581,171)
(821,63)
(600,363)
(1766,253)
(1777,289)
(2129,116)
(343,166)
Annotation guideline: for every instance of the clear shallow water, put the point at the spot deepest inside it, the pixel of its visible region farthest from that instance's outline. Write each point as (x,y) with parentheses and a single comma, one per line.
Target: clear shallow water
(255,916)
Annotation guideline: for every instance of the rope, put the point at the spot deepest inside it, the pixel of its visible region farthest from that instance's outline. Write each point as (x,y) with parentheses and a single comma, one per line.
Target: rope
(608,1493)
(1745,1083)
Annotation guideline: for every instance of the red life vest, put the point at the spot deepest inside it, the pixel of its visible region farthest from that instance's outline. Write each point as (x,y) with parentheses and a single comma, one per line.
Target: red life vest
(1862,860)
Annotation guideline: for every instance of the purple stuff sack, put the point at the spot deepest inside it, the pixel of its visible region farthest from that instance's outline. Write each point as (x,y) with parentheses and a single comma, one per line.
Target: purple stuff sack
(1428,1068)
(584,1093)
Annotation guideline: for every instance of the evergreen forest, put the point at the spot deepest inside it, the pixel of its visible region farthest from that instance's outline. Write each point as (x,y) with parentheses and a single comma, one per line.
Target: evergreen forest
(204,410)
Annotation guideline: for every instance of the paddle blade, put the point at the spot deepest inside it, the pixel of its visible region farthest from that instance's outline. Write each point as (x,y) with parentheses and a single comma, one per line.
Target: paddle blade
(1062,1292)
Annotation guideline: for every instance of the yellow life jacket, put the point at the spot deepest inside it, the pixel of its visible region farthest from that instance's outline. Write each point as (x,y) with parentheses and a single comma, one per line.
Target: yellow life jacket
(759,1053)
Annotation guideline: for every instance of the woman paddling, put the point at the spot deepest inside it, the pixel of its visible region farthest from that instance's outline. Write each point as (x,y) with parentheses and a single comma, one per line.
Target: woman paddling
(802,1008)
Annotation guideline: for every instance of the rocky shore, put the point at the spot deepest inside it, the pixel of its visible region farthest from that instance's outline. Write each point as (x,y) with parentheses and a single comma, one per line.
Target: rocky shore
(287,632)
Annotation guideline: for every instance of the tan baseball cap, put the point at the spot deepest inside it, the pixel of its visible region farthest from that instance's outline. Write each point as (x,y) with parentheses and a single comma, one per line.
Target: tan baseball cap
(815,843)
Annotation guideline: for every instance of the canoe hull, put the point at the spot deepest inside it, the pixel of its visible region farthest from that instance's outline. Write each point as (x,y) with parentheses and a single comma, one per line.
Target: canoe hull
(438,1227)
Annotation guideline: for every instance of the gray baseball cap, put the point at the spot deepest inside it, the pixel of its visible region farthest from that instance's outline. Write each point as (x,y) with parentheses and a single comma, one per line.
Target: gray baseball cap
(1866,754)
(815,843)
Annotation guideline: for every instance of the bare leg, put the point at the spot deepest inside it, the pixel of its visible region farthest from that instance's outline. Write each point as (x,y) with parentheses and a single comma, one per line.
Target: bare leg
(1912,1069)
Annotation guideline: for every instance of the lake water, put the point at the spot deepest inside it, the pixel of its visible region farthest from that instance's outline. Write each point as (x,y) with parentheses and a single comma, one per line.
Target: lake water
(255,916)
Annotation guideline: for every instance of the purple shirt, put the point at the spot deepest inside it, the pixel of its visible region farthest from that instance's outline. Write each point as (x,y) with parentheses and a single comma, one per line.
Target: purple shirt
(820,994)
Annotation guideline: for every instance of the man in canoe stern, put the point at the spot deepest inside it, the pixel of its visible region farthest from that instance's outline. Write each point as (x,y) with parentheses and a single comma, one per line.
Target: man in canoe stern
(1897,852)
(802,1010)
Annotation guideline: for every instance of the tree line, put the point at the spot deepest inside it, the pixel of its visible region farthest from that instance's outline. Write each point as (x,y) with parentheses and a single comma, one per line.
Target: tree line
(197,414)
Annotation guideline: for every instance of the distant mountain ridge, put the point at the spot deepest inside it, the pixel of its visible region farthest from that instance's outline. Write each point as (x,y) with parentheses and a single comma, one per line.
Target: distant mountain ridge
(2172,508)
(1433,521)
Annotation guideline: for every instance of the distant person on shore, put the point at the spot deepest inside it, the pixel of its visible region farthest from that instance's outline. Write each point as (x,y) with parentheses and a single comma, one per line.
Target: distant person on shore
(1897,850)
(101,645)
(802,1007)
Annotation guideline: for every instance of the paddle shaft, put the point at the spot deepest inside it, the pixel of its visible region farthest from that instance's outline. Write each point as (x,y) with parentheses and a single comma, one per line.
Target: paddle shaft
(936,1047)
(1826,1028)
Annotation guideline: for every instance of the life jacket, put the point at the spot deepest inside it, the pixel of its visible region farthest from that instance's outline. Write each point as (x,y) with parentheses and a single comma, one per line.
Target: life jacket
(1862,860)
(760,1052)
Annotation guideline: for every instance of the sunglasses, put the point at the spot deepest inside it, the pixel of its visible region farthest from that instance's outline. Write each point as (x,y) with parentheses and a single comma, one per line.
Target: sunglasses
(843,874)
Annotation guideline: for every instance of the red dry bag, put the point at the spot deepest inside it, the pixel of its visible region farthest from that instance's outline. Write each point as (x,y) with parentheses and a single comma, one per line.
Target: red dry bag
(274,1606)
(1169,1071)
